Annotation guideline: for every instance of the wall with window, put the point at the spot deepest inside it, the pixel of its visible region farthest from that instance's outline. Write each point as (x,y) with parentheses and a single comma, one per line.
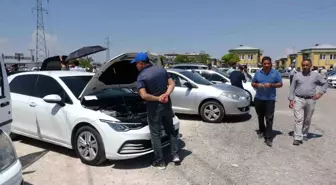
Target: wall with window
(250,58)
(324,59)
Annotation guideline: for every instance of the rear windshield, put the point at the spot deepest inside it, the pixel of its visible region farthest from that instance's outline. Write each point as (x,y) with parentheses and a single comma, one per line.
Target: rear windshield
(76,83)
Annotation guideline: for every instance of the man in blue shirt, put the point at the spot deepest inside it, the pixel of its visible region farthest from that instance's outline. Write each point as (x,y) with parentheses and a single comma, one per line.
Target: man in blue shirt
(237,77)
(155,85)
(266,81)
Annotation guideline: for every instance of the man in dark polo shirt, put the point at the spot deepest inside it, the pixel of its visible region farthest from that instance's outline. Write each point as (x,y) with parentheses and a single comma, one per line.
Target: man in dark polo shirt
(237,77)
(155,85)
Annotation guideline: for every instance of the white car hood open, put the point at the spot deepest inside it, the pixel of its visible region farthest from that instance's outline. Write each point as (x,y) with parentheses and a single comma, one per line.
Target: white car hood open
(118,72)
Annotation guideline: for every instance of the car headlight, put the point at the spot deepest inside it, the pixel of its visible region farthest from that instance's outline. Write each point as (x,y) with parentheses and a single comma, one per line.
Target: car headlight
(123,127)
(231,95)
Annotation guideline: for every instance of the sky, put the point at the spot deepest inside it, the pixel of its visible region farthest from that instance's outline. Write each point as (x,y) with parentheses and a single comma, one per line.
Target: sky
(214,26)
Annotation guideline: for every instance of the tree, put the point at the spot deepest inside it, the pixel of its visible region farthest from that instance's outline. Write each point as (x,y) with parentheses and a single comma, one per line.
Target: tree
(85,62)
(230,58)
(203,58)
(182,59)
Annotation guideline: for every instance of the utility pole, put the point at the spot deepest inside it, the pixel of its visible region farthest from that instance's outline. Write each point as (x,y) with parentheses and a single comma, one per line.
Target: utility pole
(32,54)
(41,45)
(107,43)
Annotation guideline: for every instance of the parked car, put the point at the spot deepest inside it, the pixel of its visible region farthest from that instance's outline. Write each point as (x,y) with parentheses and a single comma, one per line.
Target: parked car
(5,100)
(96,114)
(219,77)
(332,80)
(284,73)
(223,69)
(253,70)
(10,165)
(192,66)
(193,94)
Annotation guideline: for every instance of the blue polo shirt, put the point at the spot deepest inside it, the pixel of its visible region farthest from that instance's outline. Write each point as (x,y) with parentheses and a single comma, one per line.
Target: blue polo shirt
(155,80)
(261,77)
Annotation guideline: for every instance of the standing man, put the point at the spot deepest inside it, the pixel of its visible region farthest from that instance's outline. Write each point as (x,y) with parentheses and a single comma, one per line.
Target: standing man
(302,97)
(266,81)
(324,73)
(247,75)
(232,68)
(291,74)
(237,78)
(155,85)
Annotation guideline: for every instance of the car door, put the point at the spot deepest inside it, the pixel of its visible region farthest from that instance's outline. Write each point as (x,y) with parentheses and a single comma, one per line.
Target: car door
(24,119)
(5,100)
(183,98)
(216,78)
(52,122)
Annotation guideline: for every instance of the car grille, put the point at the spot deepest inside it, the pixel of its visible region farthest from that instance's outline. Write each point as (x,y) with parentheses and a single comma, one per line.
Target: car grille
(140,146)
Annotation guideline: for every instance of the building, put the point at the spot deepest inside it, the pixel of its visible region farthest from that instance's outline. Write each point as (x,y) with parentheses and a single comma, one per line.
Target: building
(320,54)
(248,55)
(172,56)
(21,60)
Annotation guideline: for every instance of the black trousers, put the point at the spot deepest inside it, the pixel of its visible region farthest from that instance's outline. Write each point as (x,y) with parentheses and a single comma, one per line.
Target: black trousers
(265,111)
(290,79)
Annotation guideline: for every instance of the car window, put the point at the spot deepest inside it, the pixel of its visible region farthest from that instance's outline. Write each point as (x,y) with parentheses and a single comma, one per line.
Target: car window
(216,77)
(23,84)
(197,78)
(2,89)
(179,81)
(76,83)
(206,75)
(7,153)
(46,85)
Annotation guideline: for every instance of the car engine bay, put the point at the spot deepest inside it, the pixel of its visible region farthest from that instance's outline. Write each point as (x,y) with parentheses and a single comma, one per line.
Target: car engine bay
(120,103)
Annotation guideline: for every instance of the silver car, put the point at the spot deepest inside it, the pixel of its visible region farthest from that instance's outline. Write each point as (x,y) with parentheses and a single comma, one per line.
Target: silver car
(193,66)
(193,94)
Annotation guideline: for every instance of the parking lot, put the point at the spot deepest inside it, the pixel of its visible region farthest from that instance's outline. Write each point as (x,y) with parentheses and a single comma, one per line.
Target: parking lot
(228,153)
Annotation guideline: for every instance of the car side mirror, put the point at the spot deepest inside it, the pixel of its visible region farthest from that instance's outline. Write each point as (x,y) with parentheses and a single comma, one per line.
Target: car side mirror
(53,98)
(189,85)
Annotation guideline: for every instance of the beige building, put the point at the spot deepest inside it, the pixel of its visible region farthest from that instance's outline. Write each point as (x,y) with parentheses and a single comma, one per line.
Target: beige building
(248,55)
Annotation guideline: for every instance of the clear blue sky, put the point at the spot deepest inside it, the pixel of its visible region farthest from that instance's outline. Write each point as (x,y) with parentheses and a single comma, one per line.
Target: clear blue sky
(163,26)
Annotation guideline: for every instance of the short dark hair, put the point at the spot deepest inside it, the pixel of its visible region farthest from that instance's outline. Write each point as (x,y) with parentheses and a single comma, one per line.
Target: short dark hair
(241,68)
(266,58)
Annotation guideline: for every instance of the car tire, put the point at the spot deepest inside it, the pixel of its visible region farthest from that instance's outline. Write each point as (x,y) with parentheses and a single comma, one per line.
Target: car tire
(208,118)
(92,142)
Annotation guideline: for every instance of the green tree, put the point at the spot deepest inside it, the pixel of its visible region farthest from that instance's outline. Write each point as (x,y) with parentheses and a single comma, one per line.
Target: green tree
(86,62)
(182,59)
(230,58)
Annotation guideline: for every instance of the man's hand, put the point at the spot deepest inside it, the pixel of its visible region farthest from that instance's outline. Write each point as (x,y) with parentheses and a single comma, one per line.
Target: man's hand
(267,85)
(317,96)
(163,98)
(291,104)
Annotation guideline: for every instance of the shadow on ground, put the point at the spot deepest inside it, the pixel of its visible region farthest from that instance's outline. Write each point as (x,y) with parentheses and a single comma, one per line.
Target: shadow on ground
(145,161)
(46,146)
(30,159)
(310,135)
(274,134)
(27,183)
(227,119)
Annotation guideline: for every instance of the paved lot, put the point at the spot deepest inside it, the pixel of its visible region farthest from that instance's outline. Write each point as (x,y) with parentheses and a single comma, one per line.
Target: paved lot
(227,153)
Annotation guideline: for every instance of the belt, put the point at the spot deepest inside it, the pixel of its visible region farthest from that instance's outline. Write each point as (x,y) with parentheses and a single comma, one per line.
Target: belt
(305,97)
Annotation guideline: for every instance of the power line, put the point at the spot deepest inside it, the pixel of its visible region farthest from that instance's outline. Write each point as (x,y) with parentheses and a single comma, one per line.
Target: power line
(107,44)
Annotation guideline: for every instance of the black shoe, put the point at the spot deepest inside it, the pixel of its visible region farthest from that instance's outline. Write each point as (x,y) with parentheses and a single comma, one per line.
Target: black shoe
(269,142)
(305,138)
(260,135)
(297,142)
(176,159)
(159,164)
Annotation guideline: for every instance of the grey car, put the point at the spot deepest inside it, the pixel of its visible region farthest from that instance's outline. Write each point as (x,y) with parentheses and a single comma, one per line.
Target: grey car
(193,94)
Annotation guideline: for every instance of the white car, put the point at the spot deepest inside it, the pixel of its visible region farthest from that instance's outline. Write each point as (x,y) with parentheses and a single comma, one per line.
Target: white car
(252,70)
(96,114)
(10,165)
(219,77)
(331,81)
(5,100)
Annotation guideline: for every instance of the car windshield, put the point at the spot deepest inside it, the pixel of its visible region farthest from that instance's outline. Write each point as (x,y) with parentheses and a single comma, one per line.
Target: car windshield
(76,83)
(253,70)
(224,74)
(197,78)
(7,153)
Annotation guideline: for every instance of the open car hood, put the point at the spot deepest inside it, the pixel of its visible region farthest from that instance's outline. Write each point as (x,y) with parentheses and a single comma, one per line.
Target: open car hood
(118,72)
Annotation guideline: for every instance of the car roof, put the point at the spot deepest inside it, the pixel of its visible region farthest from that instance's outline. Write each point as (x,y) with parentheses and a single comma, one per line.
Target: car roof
(176,70)
(56,73)
(189,64)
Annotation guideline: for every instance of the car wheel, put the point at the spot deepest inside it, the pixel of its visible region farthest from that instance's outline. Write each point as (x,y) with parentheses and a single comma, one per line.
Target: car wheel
(212,112)
(89,146)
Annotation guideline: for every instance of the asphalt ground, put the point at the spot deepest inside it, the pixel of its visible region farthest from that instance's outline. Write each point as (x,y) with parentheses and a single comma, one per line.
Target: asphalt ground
(226,153)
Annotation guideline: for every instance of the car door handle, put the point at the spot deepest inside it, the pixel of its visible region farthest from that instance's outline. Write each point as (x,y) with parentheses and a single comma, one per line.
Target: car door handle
(32,104)
(4,104)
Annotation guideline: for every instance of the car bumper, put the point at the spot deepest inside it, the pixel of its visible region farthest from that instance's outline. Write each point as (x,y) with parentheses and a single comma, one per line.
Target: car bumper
(332,83)
(130,144)
(236,107)
(12,175)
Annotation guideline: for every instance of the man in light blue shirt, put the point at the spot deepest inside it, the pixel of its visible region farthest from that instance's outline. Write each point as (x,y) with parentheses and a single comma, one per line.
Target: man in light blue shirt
(266,81)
